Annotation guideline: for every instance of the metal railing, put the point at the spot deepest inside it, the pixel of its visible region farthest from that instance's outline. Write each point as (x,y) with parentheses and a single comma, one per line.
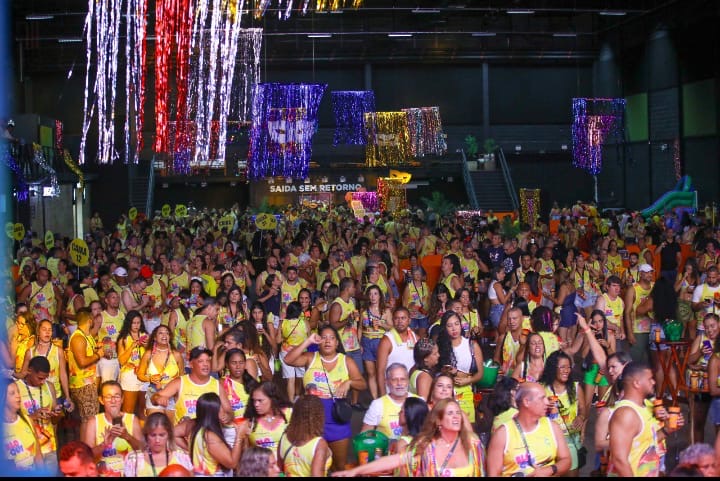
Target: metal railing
(508,179)
(469,187)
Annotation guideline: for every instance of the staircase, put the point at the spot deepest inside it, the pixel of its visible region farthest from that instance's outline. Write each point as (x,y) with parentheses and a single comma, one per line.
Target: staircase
(490,189)
(141,179)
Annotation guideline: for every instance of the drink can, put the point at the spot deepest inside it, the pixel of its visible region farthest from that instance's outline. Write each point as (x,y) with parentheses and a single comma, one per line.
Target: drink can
(673,417)
(363,457)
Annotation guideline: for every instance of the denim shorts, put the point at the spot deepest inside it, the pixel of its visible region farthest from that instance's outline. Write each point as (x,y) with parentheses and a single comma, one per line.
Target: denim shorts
(369,348)
(356,356)
(715,411)
(419,323)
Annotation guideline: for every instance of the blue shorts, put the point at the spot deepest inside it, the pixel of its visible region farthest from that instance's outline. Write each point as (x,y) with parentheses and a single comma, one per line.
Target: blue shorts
(356,356)
(333,431)
(715,411)
(496,311)
(419,323)
(369,348)
(589,301)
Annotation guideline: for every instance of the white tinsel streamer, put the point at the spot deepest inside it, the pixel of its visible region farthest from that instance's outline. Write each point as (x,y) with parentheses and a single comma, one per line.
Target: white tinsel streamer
(135,29)
(229,55)
(251,48)
(87,115)
(39,159)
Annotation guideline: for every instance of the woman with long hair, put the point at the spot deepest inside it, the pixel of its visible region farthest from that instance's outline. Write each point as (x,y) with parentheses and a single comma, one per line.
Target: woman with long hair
(426,356)
(131,342)
(570,402)
(438,305)
(257,345)
(615,364)
(685,285)
(564,299)
(177,320)
(502,401)
(416,298)
(498,295)
(470,318)
(160,364)
(210,453)
(202,328)
(227,281)
(595,342)
(235,310)
(329,374)
(532,363)
(161,450)
(442,387)
(701,350)
(451,274)
(19,437)
(238,383)
(375,321)
(268,414)
(461,358)
(294,329)
(544,324)
(445,447)
(302,450)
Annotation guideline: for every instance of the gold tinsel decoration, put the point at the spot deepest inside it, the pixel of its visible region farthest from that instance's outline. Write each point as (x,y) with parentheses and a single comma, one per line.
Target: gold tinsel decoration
(74,167)
(392,195)
(388,139)
(529,206)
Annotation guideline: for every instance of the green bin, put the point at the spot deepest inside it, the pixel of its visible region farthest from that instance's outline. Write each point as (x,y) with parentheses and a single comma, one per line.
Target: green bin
(369,441)
(673,330)
(490,373)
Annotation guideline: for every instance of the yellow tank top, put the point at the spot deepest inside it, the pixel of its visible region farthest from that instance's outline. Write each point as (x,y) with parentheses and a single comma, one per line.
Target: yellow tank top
(547,268)
(544,451)
(641,324)
(644,458)
(196,333)
(469,321)
(70,310)
(154,292)
(429,246)
(113,456)
(53,357)
(294,332)
(41,300)
(297,460)
(447,282)
(177,282)
(470,267)
(203,463)
(111,326)
(19,442)
(137,354)
(268,437)
(168,372)
(383,286)
(315,380)
(359,263)
(568,410)
(188,395)
(144,468)
(180,332)
(289,293)
(389,423)
(349,333)
(419,295)
(33,398)
(335,274)
(23,336)
(368,329)
(510,348)
(614,310)
(551,341)
(80,377)
(237,396)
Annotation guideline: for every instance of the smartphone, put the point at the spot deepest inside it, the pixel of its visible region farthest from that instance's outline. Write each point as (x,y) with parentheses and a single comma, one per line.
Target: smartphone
(707,344)
(117,421)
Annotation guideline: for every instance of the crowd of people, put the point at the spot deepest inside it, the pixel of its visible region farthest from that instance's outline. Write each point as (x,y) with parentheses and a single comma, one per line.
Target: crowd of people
(183,348)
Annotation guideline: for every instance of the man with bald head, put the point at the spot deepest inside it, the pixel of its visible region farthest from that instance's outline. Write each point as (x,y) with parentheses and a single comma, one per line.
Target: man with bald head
(530,444)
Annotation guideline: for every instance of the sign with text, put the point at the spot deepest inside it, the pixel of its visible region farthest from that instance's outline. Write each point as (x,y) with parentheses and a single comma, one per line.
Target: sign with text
(265,221)
(181,210)
(49,240)
(79,252)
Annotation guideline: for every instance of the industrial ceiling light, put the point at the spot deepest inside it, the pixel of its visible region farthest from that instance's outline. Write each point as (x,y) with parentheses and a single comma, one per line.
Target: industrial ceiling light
(484,34)
(39,17)
(69,40)
(426,10)
(564,34)
(398,35)
(612,13)
(319,35)
(520,12)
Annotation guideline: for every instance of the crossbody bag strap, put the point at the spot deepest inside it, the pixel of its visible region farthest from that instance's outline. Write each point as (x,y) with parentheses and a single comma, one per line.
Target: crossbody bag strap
(327,378)
(562,418)
(522,435)
(449,455)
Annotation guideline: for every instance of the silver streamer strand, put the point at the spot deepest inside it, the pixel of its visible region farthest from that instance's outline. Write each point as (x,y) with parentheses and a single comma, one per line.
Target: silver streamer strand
(40,160)
(135,29)
(241,103)
(229,50)
(87,116)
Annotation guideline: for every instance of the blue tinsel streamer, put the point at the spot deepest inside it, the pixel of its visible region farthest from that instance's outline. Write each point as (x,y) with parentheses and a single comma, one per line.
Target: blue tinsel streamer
(21,188)
(349,107)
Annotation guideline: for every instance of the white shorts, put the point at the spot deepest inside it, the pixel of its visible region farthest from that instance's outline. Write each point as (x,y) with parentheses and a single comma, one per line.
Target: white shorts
(289,371)
(151,324)
(130,382)
(108,369)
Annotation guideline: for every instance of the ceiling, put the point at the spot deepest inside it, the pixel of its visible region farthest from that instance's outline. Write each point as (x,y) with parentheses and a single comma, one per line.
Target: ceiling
(439,31)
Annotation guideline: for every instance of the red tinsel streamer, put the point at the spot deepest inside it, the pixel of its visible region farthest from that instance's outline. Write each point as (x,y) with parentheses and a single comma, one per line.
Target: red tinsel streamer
(140,114)
(58,135)
(165,15)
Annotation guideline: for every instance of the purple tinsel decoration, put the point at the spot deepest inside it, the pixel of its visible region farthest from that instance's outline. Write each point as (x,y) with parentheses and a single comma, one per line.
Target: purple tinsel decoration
(369,200)
(349,107)
(21,188)
(284,119)
(594,119)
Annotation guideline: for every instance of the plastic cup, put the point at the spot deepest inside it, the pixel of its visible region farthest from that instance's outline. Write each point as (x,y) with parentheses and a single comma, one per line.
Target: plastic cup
(239,420)
(363,457)
(674,415)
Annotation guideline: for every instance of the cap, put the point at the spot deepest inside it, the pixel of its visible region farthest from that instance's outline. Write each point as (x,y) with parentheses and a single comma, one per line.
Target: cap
(645,268)
(146,272)
(120,272)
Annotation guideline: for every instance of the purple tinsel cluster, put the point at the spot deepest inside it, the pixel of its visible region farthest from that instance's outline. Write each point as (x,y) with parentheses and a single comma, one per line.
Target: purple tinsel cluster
(349,107)
(369,200)
(21,188)
(594,120)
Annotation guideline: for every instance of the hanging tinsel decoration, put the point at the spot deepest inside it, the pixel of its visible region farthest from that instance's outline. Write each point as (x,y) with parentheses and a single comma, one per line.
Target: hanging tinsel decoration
(529,206)
(285,7)
(74,167)
(426,132)
(248,73)
(284,119)
(369,200)
(58,135)
(102,20)
(135,73)
(39,159)
(388,139)
(392,195)
(350,107)
(677,163)
(21,187)
(594,120)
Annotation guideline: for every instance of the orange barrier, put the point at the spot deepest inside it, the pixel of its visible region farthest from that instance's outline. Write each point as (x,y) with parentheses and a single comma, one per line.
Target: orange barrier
(554,225)
(431,264)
